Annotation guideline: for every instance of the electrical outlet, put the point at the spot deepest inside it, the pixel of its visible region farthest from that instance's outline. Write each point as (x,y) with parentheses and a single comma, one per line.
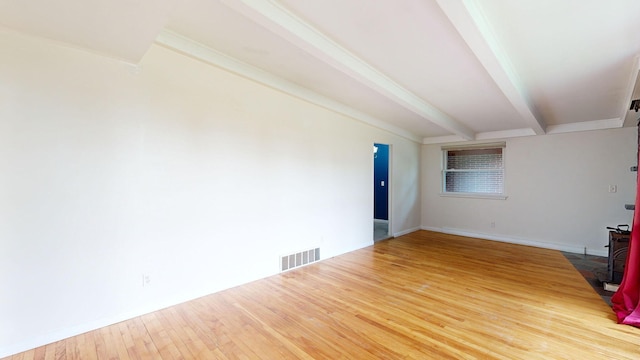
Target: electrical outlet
(146,280)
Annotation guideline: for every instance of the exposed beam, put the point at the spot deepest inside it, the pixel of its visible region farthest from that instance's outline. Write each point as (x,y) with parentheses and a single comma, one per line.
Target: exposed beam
(442,139)
(467,17)
(505,134)
(633,88)
(274,17)
(586,126)
(489,135)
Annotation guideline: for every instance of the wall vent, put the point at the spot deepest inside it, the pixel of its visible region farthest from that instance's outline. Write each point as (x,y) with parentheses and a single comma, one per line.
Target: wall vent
(288,262)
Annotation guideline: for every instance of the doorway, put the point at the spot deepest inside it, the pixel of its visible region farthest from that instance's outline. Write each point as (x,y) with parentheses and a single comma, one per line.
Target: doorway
(380,191)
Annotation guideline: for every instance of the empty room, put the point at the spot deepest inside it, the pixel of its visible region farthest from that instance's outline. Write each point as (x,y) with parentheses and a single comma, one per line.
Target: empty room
(201,179)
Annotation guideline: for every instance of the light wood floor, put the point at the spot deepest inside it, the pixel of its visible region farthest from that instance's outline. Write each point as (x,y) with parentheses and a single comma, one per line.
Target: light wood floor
(422,296)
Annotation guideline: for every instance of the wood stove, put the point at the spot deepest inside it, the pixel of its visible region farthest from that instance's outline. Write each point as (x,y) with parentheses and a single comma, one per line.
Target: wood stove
(618,247)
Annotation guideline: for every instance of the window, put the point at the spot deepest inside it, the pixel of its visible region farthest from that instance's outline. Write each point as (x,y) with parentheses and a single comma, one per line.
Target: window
(474,170)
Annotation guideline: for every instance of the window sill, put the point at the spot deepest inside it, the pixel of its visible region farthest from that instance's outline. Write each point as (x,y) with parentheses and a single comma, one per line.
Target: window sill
(476,196)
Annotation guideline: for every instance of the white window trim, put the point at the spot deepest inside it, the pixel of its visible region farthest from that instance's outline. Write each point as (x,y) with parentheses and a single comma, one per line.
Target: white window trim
(501,196)
(475,195)
(475,146)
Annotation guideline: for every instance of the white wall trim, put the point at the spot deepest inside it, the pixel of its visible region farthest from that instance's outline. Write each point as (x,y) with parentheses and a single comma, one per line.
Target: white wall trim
(68,332)
(603,124)
(474,195)
(442,139)
(503,134)
(519,241)
(586,126)
(183,45)
(97,324)
(406,231)
(488,135)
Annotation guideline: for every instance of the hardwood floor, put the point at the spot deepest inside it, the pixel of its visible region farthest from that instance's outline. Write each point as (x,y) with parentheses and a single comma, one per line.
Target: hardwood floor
(423,296)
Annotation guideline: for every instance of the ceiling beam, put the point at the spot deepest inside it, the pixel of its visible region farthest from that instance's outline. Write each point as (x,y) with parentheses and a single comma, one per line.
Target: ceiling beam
(467,17)
(283,22)
(633,88)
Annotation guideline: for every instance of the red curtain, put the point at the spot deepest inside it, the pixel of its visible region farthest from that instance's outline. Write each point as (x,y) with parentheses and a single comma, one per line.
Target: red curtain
(625,301)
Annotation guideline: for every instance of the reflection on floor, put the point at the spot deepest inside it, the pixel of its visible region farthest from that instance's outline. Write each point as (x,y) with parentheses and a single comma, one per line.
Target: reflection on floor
(589,266)
(380,229)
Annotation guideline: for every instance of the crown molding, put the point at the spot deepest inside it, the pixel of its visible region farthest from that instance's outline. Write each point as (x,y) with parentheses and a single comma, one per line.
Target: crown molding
(504,134)
(442,139)
(551,129)
(196,50)
(488,135)
(585,126)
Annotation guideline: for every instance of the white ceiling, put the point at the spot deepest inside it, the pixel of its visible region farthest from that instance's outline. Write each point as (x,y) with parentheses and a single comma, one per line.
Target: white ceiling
(429,70)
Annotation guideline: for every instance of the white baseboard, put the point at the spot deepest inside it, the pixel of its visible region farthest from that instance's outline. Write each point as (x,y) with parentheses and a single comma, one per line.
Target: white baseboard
(520,241)
(65,333)
(68,332)
(83,328)
(407,231)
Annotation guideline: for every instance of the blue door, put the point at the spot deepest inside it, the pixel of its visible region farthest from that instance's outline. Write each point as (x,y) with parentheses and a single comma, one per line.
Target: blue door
(381,182)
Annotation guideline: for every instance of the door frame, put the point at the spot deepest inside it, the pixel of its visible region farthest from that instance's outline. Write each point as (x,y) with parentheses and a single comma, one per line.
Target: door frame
(388,186)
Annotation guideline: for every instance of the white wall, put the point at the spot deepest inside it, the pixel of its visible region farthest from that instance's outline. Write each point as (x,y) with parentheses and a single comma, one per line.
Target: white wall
(180,171)
(557,187)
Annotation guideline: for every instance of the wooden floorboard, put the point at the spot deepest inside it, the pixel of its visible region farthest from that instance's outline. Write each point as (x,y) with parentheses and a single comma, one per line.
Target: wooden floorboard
(420,296)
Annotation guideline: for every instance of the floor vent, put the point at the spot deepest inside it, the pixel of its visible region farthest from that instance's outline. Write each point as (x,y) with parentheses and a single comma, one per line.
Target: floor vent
(289,262)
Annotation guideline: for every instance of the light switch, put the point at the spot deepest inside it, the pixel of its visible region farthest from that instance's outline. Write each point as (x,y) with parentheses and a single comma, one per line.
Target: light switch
(382,183)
